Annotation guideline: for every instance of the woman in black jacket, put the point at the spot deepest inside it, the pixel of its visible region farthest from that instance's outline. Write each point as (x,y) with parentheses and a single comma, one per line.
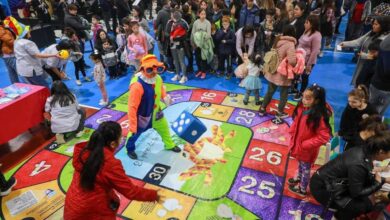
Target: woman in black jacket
(299,19)
(346,182)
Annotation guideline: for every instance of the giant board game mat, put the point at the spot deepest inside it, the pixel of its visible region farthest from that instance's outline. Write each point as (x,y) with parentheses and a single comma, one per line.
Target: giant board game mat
(236,170)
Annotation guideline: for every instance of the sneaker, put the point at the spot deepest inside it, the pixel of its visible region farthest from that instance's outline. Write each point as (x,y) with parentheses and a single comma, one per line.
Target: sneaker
(258,103)
(78,82)
(103,103)
(175,78)
(183,80)
(80,133)
(321,54)
(100,101)
(262,111)
(245,102)
(60,139)
(297,97)
(281,115)
(293,181)
(203,76)
(176,149)
(198,74)
(228,76)
(297,190)
(132,155)
(87,79)
(10,184)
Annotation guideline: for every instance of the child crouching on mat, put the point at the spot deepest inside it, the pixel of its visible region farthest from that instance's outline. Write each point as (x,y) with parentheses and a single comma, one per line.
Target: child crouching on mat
(66,114)
(309,131)
(252,82)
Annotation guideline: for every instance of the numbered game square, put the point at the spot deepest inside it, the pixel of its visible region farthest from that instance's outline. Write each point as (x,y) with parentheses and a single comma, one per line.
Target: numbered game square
(293,209)
(235,100)
(101,116)
(257,191)
(178,96)
(272,132)
(273,107)
(210,96)
(267,157)
(214,112)
(247,118)
(124,122)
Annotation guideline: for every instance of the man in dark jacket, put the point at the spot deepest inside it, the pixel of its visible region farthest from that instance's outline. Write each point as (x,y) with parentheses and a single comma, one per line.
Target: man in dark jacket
(123,9)
(160,24)
(249,15)
(380,81)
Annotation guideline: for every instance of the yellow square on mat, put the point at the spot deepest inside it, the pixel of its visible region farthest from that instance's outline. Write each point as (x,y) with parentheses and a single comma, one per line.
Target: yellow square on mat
(176,206)
(213,111)
(235,100)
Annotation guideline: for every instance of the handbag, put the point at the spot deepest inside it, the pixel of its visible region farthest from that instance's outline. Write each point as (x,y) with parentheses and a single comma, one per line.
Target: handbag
(338,189)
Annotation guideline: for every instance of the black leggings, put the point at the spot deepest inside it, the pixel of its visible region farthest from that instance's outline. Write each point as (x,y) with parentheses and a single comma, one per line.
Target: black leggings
(202,64)
(79,66)
(355,207)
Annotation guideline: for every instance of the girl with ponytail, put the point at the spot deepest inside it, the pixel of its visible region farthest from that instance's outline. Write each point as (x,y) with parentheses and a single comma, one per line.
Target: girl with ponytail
(97,174)
(356,110)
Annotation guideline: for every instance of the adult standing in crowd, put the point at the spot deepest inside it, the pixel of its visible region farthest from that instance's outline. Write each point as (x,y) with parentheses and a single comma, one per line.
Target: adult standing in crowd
(7,38)
(123,9)
(358,13)
(160,24)
(285,47)
(28,63)
(299,19)
(109,12)
(249,15)
(380,82)
(380,28)
(281,18)
(346,182)
(72,20)
(310,41)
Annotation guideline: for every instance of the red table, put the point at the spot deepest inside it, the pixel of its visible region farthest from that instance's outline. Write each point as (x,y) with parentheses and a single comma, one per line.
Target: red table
(22,113)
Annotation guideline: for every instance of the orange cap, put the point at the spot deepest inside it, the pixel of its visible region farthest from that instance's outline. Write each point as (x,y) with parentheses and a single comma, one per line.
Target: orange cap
(150,60)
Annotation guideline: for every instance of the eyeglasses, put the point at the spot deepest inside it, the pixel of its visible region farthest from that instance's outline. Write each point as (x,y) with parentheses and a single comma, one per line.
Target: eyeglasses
(158,69)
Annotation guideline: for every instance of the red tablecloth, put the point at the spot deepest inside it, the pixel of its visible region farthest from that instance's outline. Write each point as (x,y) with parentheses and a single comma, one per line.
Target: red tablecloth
(22,113)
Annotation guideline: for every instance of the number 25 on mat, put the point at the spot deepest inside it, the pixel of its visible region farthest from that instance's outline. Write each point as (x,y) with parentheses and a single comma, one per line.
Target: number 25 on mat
(266,189)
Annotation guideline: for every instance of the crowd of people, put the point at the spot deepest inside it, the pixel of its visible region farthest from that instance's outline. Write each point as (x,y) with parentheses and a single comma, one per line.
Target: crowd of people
(280,40)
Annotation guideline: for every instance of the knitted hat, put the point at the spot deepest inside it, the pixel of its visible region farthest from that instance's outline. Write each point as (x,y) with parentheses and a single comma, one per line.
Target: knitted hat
(19,29)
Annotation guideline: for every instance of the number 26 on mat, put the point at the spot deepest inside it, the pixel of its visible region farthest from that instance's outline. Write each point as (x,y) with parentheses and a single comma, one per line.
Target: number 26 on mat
(273,157)
(265,189)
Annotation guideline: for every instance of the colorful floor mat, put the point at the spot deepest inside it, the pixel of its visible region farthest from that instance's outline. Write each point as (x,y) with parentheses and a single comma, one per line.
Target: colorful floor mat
(239,171)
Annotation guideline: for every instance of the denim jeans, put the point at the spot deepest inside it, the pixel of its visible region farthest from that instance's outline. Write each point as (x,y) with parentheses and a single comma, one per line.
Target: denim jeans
(379,99)
(39,80)
(10,63)
(178,56)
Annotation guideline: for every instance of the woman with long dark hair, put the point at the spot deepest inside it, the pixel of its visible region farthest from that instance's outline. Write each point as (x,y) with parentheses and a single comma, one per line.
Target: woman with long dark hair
(310,41)
(66,114)
(346,182)
(380,28)
(138,15)
(101,36)
(299,19)
(97,174)
(281,18)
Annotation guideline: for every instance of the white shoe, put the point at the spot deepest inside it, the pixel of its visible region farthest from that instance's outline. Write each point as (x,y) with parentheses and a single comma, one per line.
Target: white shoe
(103,103)
(60,139)
(80,133)
(321,54)
(176,78)
(78,82)
(87,79)
(183,80)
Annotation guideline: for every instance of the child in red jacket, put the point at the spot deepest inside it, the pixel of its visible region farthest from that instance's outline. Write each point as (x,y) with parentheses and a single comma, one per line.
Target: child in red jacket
(97,174)
(309,131)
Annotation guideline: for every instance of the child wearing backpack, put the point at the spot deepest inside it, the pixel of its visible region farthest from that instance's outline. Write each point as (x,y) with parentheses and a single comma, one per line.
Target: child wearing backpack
(252,82)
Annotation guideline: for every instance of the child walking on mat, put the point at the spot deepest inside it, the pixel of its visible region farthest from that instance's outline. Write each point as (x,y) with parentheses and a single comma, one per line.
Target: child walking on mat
(252,82)
(309,131)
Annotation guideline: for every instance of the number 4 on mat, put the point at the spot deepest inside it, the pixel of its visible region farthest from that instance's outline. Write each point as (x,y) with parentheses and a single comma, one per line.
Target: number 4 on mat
(39,168)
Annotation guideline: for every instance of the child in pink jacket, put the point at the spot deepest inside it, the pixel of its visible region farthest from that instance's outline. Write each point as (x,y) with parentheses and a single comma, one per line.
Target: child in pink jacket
(290,71)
